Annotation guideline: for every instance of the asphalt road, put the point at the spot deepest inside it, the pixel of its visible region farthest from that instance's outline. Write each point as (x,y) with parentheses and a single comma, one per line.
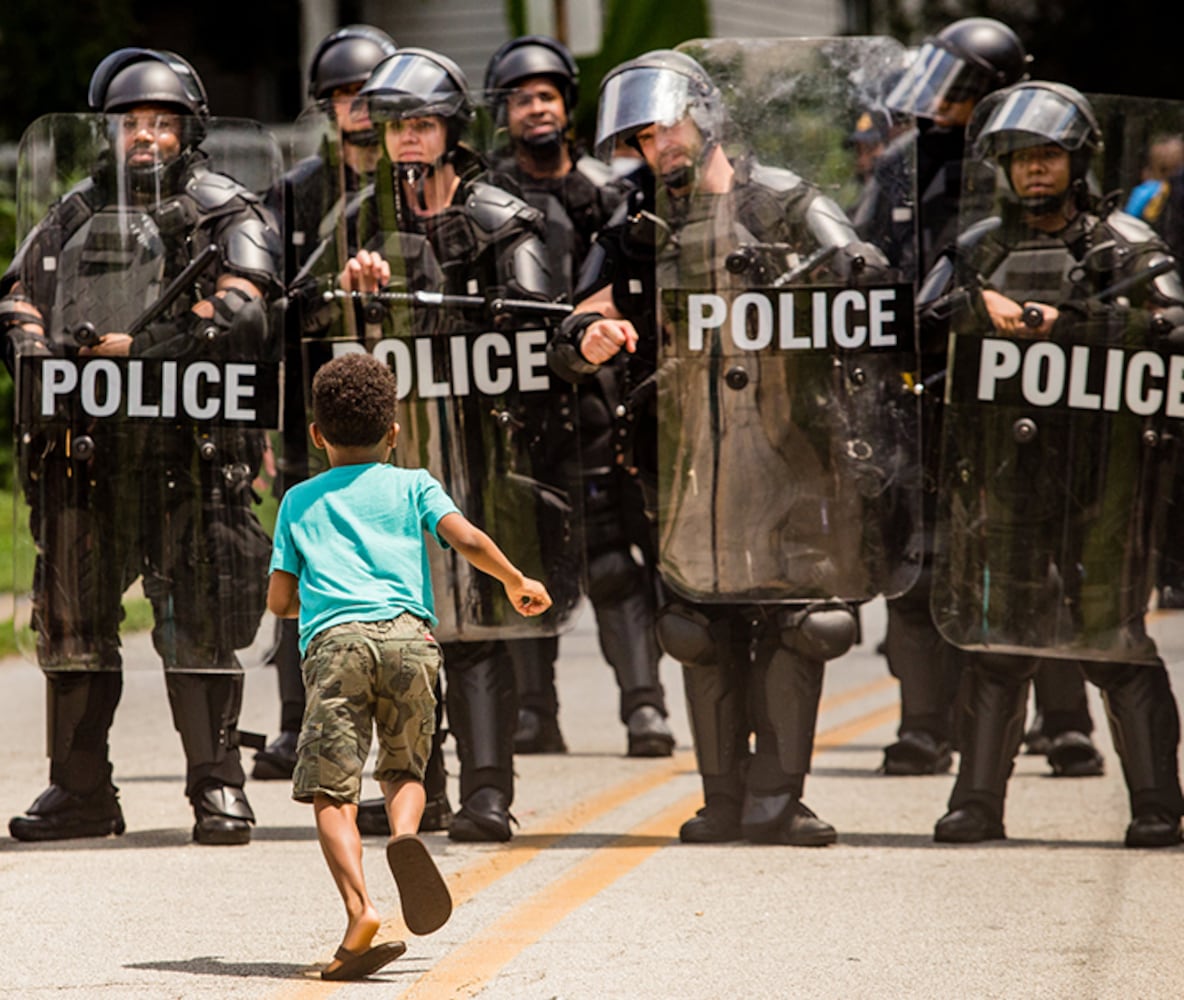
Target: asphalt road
(595,899)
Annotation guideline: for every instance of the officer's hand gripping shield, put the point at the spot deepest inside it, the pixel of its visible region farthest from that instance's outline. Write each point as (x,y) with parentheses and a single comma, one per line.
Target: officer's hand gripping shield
(1060,452)
(144,430)
(788,443)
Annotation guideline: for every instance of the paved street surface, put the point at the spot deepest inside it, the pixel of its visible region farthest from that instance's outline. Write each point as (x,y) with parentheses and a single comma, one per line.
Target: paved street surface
(595,899)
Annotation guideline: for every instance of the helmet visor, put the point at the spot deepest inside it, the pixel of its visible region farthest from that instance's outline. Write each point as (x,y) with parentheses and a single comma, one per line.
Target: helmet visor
(636,98)
(936,77)
(1032,117)
(408,85)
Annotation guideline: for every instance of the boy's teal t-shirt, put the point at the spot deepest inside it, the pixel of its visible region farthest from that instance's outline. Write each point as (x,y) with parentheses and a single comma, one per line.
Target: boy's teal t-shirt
(354,536)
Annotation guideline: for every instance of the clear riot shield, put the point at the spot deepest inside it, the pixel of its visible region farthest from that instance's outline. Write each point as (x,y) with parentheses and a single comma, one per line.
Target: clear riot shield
(1061,437)
(478,409)
(788,439)
(144,430)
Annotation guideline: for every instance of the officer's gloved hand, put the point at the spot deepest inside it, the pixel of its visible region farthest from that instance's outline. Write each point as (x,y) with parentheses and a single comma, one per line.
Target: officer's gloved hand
(860,262)
(1168,324)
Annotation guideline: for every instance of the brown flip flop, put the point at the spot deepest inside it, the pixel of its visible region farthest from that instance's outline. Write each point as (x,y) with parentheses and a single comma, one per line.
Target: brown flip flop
(360,964)
(427,904)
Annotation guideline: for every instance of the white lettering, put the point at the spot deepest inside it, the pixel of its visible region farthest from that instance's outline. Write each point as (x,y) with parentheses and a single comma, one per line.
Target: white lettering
(998,360)
(191,390)
(1140,398)
(532,360)
(1174,393)
(58,378)
(1044,374)
(106,372)
(788,341)
(707,312)
(763,335)
(880,316)
(168,389)
(136,406)
(1078,370)
(425,379)
(845,303)
(489,380)
(240,390)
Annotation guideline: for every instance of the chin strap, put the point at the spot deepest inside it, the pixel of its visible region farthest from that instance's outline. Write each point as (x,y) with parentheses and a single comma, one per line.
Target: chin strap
(416,176)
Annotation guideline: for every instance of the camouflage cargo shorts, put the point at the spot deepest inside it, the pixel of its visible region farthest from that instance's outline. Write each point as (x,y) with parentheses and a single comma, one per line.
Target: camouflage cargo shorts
(359,676)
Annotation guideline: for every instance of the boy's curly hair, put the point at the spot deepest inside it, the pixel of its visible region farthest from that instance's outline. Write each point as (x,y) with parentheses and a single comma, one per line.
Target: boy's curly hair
(353,400)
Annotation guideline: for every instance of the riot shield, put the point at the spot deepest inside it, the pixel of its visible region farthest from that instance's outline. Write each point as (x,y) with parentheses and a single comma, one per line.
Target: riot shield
(1061,439)
(144,428)
(478,409)
(788,432)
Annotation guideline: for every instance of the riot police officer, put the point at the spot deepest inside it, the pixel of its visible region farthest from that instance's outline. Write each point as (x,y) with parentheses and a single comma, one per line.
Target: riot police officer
(168,500)
(746,667)
(532,85)
(1065,510)
(312,195)
(951,74)
(431,218)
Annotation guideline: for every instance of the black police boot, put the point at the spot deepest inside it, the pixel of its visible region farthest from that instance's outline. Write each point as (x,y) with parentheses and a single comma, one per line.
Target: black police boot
(917,752)
(538,733)
(718,822)
(784,819)
(970,824)
(437,814)
(1153,829)
(57,814)
(1036,744)
(277,760)
(224,816)
(649,735)
(484,815)
(372,818)
(1073,755)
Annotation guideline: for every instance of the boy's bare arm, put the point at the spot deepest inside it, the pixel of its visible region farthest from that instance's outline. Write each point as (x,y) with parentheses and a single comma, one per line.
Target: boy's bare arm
(283,594)
(529,597)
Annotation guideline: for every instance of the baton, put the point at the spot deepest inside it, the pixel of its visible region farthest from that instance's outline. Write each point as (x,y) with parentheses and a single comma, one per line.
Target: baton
(1034,315)
(85,334)
(376,302)
(816,259)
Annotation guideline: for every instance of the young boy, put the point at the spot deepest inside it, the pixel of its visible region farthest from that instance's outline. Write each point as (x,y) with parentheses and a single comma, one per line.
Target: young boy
(351,563)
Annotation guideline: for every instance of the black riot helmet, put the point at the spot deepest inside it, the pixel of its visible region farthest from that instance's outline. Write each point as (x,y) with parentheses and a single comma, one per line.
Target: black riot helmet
(662,86)
(966,60)
(132,76)
(347,55)
(1040,113)
(418,83)
(531,55)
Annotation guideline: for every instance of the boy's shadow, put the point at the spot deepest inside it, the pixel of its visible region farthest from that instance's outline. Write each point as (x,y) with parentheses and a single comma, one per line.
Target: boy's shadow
(214,965)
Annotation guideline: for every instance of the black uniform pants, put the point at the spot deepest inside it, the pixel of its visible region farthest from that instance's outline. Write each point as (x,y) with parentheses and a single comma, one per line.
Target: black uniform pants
(205,710)
(1140,708)
(482,714)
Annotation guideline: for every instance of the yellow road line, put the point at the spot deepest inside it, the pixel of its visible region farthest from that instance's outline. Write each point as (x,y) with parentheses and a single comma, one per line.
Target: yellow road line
(477,876)
(467,969)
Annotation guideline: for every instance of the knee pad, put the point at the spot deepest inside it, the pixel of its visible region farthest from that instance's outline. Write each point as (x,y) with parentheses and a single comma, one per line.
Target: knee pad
(820,632)
(687,635)
(611,574)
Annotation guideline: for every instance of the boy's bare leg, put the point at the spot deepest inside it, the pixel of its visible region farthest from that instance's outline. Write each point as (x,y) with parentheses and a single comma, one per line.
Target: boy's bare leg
(405,800)
(337,830)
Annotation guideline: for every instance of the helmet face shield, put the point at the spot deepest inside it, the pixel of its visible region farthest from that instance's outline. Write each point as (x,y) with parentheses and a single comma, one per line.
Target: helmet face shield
(409,85)
(636,98)
(936,77)
(1033,116)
